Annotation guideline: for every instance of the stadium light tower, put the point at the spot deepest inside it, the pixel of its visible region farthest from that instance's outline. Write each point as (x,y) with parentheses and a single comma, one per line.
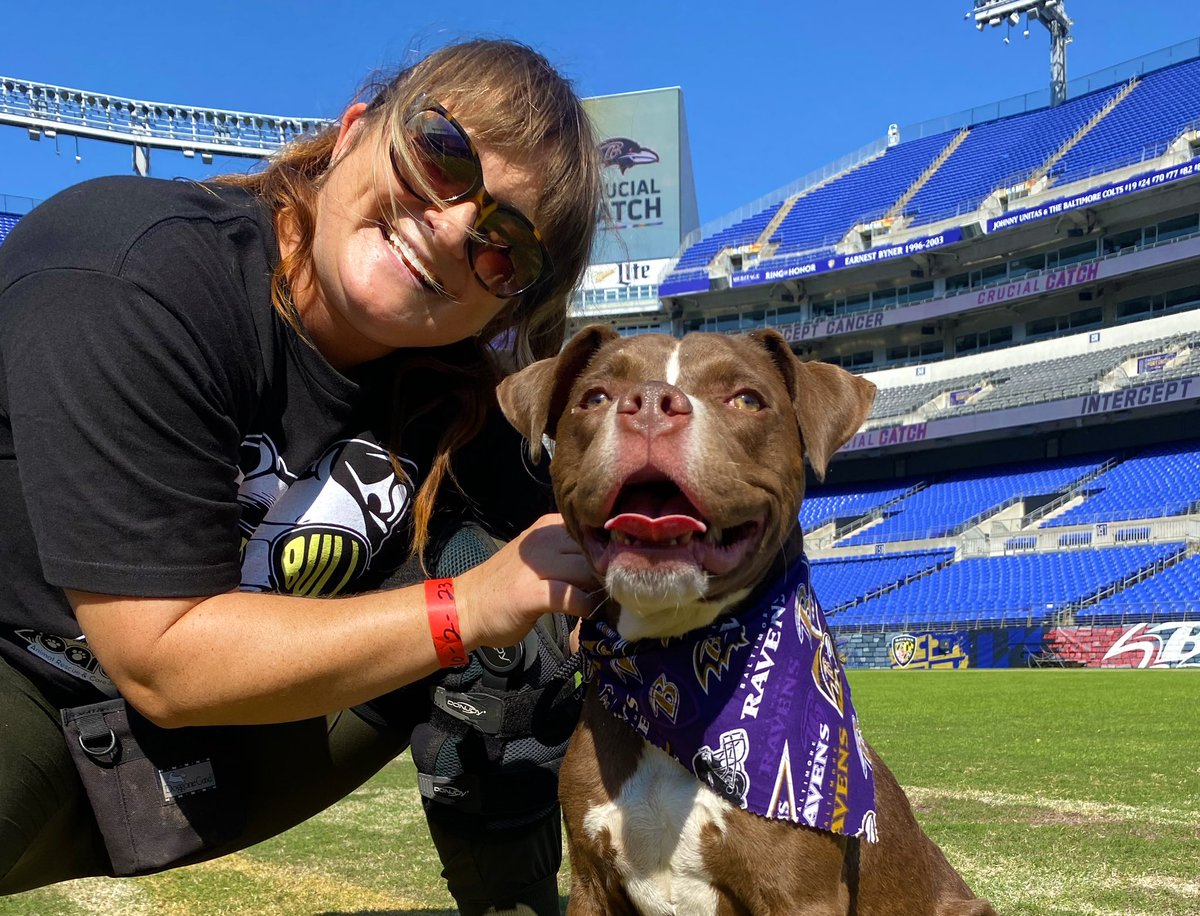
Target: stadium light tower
(1050,13)
(46,110)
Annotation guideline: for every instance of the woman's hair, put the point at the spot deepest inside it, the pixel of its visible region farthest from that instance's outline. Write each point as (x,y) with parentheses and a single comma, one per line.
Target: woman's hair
(515,104)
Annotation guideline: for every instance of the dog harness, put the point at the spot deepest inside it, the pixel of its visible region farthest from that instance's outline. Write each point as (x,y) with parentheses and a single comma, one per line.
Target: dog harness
(756,706)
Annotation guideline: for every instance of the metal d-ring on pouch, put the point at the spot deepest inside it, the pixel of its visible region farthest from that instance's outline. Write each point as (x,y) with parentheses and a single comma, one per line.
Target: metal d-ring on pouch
(158,795)
(95,738)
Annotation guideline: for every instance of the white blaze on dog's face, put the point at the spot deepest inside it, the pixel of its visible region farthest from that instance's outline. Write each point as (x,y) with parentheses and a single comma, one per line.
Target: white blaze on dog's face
(678,464)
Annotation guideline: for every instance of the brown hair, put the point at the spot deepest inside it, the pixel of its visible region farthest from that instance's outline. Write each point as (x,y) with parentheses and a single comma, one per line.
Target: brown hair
(515,103)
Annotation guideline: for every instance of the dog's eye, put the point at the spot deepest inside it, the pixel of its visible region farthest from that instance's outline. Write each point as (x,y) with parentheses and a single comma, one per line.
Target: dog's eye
(594,399)
(746,400)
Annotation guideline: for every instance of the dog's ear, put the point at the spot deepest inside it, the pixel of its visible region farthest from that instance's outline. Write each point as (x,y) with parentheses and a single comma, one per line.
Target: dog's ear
(830,403)
(533,399)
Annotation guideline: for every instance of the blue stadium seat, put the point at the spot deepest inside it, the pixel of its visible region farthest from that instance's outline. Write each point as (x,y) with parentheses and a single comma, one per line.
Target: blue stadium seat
(1002,153)
(823,504)
(824,216)
(744,232)
(944,507)
(1163,595)
(1157,111)
(7,221)
(841,583)
(1157,482)
(1013,589)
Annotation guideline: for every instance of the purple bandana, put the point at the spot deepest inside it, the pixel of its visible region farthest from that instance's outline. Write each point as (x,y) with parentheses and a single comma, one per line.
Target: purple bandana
(757,706)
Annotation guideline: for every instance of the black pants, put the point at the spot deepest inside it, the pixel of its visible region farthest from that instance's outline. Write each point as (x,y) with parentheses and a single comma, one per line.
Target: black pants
(48,833)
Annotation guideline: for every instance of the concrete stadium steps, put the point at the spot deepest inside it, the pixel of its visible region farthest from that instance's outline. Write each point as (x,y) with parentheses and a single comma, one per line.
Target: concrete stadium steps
(897,209)
(1085,130)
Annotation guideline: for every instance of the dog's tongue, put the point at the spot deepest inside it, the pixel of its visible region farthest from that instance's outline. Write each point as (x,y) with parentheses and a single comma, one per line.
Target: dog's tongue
(663,528)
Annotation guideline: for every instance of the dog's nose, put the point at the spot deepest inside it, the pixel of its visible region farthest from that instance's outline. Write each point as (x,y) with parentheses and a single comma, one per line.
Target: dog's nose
(654,407)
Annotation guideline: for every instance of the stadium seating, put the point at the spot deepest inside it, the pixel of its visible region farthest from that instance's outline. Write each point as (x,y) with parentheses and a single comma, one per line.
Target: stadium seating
(1153,115)
(1138,578)
(828,504)
(1158,482)
(945,507)
(823,216)
(1015,589)
(900,400)
(1001,153)
(745,232)
(7,221)
(1161,595)
(1029,383)
(842,583)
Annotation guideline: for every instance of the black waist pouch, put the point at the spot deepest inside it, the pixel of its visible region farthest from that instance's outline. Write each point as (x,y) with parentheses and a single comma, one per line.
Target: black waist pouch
(159,795)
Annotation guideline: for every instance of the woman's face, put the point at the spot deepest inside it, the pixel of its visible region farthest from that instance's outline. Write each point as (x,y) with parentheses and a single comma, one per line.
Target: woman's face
(376,247)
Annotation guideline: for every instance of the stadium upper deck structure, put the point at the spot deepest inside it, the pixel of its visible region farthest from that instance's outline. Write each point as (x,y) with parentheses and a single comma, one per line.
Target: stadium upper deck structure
(1023,285)
(1022,282)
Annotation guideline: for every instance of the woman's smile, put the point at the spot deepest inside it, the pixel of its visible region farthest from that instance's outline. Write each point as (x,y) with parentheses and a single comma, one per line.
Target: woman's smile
(416,268)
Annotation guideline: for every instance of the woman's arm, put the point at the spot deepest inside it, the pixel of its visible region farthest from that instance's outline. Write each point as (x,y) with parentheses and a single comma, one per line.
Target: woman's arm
(248,657)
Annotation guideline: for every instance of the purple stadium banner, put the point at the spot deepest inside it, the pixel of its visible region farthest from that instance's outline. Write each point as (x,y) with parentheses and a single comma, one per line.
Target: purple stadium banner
(1155,363)
(963,395)
(1094,196)
(1174,391)
(856,259)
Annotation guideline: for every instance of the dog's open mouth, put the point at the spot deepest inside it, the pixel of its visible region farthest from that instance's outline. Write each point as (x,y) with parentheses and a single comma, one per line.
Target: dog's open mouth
(653,522)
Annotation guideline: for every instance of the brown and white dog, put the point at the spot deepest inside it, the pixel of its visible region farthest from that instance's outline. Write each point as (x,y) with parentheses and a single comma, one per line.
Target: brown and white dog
(705,438)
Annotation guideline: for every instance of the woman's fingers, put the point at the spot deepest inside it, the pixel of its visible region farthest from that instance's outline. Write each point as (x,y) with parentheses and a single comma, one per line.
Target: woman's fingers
(574,600)
(541,570)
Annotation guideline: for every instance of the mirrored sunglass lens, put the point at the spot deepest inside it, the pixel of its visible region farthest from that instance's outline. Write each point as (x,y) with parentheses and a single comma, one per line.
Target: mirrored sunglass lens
(452,167)
(509,259)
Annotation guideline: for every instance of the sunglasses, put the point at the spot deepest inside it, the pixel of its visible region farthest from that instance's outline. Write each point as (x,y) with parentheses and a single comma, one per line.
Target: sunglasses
(507,253)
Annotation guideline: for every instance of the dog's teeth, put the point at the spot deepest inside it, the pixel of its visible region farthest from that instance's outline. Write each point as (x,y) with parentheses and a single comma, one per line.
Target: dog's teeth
(684,540)
(713,535)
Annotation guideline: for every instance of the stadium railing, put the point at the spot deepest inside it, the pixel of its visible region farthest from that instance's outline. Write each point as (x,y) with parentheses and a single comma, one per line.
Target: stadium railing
(16,205)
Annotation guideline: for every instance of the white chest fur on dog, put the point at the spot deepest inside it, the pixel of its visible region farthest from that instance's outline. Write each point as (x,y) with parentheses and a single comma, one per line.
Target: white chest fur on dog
(655,825)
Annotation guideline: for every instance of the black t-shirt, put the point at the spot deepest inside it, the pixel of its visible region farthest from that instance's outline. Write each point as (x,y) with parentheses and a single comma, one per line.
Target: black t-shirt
(163,432)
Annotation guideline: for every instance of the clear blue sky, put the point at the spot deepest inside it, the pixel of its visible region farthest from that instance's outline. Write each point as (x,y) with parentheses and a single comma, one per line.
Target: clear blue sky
(772,90)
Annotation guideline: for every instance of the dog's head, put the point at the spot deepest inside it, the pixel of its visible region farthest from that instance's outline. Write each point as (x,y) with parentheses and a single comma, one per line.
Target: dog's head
(679,464)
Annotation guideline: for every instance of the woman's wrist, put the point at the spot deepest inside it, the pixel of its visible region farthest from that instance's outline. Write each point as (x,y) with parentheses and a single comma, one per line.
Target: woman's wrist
(444,625)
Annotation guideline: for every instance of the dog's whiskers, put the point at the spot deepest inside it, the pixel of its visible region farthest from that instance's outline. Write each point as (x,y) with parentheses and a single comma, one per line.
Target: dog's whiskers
(605,598)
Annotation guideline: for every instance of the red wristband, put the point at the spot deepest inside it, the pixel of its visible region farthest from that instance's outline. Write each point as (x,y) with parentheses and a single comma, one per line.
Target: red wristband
(443,622)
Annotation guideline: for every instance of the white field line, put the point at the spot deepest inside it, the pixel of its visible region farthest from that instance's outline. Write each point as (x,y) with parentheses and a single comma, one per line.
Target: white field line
(1179,817)
(137,897)
(1189,890)
(1057,887)
(310,886)
(113,896)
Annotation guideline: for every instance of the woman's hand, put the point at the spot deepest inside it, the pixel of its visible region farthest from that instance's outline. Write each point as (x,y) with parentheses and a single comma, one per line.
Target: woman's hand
(248,657)
(538,572)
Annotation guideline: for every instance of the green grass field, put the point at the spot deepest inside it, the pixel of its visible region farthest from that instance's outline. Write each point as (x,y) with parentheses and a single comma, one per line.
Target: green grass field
(1053,792)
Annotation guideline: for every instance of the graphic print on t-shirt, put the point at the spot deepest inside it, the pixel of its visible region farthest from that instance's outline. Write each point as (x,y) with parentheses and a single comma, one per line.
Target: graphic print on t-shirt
(314,534)
(263,477)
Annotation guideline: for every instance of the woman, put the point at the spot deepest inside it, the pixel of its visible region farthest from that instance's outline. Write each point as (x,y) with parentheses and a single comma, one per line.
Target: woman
(225,403)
